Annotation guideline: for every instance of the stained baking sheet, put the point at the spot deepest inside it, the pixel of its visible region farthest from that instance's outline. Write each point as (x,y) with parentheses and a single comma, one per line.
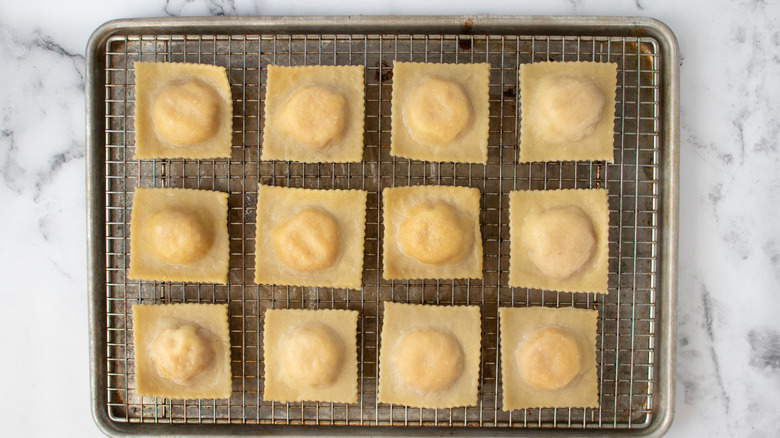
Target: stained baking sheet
(636,319)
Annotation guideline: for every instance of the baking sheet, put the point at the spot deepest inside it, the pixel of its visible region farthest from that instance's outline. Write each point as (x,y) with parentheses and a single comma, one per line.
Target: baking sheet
(636,319)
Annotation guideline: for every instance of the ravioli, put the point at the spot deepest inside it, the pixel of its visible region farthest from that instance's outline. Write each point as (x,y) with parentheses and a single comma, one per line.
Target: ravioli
(314,114)
(431,232)
(559,240)
(310,355)
(179,235)
(309,237)
(182,111)
(548,357)
(429,355)
(567,111)
(182,351)
(440,112)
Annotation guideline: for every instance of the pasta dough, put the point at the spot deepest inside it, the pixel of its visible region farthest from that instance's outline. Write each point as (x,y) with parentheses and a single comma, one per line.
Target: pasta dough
(429,355)
(548,357)
(182,351)
(182,111)
(310,355)
(314,114)
(567,111)
(440,112)
(179,235)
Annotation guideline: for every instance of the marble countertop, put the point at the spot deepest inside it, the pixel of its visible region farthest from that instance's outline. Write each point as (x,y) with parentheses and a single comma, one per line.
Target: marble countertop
(728,365)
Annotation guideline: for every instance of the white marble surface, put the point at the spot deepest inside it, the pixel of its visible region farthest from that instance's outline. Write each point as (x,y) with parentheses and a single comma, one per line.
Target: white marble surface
(728,371)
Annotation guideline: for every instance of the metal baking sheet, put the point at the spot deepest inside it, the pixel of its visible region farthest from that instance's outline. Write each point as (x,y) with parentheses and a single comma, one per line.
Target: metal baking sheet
(636,319)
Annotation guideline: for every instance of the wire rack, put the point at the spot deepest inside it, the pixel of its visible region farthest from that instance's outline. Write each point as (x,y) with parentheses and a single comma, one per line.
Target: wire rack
(627,315)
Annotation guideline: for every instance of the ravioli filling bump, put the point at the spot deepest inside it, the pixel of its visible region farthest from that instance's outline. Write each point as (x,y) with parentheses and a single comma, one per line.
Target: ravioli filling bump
(179,236)
(432,233)
(312,356)
(548,359)
(560,241)
(428,360)
(570,105)
(314,116)
(187,112)
(437,111)
(308,242)
(181,353)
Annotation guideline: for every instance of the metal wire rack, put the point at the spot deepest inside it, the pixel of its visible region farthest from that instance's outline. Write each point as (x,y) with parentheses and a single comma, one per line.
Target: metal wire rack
(627,315)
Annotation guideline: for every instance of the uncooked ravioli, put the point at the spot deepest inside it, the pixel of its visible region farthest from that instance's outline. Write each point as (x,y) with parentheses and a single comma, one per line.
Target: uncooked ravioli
(559,240)
(431,232)
(179,235)
(567,111)
(314,114)
(182,110)
(308,237)
(440,112)
(310,355)
(182,351)
(548,357)
(429,355)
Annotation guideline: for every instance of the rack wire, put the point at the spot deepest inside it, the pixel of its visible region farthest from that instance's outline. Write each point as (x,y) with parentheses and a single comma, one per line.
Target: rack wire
(627,315)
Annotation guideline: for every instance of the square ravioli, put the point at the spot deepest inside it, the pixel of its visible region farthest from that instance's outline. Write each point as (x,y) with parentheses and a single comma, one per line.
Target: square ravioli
(314,114)
(179,235)
(308,237)
(182,351)
(559,240)
(567,111)
(431,232)
(440,112)
(548,358)
(429,355)
(310,355)
(182,111)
